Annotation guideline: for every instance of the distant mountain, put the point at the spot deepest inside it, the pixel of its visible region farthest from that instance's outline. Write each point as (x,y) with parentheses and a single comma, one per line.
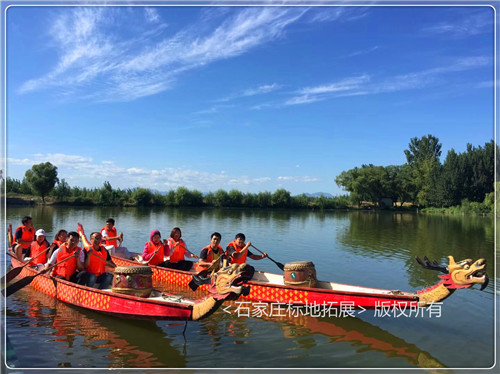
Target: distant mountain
(319,194)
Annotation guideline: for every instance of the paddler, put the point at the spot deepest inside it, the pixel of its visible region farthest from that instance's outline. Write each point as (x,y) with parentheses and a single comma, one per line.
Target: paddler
(67,269)
(113,241)
(23,236)
(37,252)
(211,253)
(95,258)
(155,250)
(237,251)
(177,250)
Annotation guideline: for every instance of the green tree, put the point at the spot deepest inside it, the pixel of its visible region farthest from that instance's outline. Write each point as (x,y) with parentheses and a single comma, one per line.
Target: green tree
(281,198)
(263,199)
(142,197)
(42,178)
(235,198)
(62,190)
(221,198)
(422,156)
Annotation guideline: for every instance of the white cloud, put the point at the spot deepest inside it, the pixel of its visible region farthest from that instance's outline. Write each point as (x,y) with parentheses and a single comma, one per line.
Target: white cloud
(92,53)
(85,170)
(300,178)
(151,15)
(368,85)
(467,26)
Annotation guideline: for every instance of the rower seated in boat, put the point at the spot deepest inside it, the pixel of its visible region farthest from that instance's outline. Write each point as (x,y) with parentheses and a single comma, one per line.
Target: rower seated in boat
(155,250)
(36,253)
(237,251)
(211,253)
(113,241)
(66,258)
(95,259)
(177,251)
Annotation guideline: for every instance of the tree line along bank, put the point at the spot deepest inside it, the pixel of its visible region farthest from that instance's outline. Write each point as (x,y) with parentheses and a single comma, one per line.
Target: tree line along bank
(463,183)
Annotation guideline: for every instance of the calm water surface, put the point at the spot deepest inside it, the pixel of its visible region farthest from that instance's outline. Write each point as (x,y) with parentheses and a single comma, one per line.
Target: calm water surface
(362,248)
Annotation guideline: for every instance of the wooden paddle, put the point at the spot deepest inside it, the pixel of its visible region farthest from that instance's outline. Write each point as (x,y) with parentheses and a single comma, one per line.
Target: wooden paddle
(15,272)
(13,288)
(201,277)
(154,254)
(279,264)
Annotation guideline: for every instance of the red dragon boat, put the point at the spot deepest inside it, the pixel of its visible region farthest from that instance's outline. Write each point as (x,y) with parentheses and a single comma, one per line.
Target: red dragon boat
(157,305)
(274,288)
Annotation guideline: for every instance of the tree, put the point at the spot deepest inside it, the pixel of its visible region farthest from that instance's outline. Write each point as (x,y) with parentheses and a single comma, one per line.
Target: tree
(62,190)
(425,148)
(142,197)
(42,178)
(423,157)
(281,198)
(221,198)
(235,198)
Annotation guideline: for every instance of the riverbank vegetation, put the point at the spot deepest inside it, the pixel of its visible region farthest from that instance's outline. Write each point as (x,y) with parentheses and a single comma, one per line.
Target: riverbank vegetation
(463,184)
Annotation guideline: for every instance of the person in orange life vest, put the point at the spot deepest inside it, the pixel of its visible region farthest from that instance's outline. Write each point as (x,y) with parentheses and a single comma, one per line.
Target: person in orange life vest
(59,239)
(155,250)
(37,248)
(68,269)
(237,251)
(23,236)
(113,241)
(177,250)
(95,258)
(211,253)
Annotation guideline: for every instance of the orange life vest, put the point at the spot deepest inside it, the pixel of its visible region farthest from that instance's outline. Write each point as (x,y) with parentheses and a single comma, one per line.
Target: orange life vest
(111,233)
(97,266)
(67,268)
(35,249)
(240,260)
(58,243)
(158,257)
(179,251)
(211,255)
(28,236)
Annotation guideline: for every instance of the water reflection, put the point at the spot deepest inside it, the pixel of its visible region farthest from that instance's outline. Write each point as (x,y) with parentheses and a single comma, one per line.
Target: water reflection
(305,332)
(405,235)
(127,343)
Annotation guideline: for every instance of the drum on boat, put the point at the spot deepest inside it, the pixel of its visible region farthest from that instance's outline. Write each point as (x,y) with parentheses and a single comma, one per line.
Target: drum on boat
(133,280)
(300,273)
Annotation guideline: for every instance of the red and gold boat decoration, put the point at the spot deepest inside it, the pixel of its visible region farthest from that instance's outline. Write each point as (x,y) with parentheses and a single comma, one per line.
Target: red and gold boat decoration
(122,299)
(298,285)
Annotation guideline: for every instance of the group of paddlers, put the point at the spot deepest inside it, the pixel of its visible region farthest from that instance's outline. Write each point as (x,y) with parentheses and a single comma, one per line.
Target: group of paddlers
(88,266)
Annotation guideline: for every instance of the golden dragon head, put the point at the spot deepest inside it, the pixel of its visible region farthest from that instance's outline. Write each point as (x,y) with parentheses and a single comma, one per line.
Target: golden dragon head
(461,274)
(228,282)
(465,273)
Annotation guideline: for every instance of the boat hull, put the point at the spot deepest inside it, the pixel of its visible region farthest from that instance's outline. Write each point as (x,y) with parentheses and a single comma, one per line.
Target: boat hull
(265,287)
(121,305)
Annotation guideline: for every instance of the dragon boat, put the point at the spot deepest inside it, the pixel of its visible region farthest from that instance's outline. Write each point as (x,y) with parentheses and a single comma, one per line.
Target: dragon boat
(136,299)
(280,288)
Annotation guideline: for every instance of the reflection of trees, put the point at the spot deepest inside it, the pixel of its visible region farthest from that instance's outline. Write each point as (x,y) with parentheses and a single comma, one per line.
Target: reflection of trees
(304,331)
(406,235)
(131,343)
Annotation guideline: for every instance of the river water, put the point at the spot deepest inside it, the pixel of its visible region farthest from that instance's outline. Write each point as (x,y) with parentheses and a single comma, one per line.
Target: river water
(362,248)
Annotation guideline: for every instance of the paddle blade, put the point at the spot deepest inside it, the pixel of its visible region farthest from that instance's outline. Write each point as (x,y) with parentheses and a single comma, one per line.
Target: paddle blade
(281,266)
(11,275)
(192,284)
(13,288)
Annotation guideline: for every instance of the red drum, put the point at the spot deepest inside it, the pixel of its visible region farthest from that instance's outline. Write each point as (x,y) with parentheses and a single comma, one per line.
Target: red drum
(133,280)
(300,273)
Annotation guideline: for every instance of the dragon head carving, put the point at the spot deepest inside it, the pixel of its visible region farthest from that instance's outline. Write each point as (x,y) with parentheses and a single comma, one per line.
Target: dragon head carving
(461,274)
(228,281)
(466,273)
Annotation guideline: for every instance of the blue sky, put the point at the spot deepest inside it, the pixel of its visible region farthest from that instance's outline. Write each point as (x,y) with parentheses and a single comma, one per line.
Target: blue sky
(248,98)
